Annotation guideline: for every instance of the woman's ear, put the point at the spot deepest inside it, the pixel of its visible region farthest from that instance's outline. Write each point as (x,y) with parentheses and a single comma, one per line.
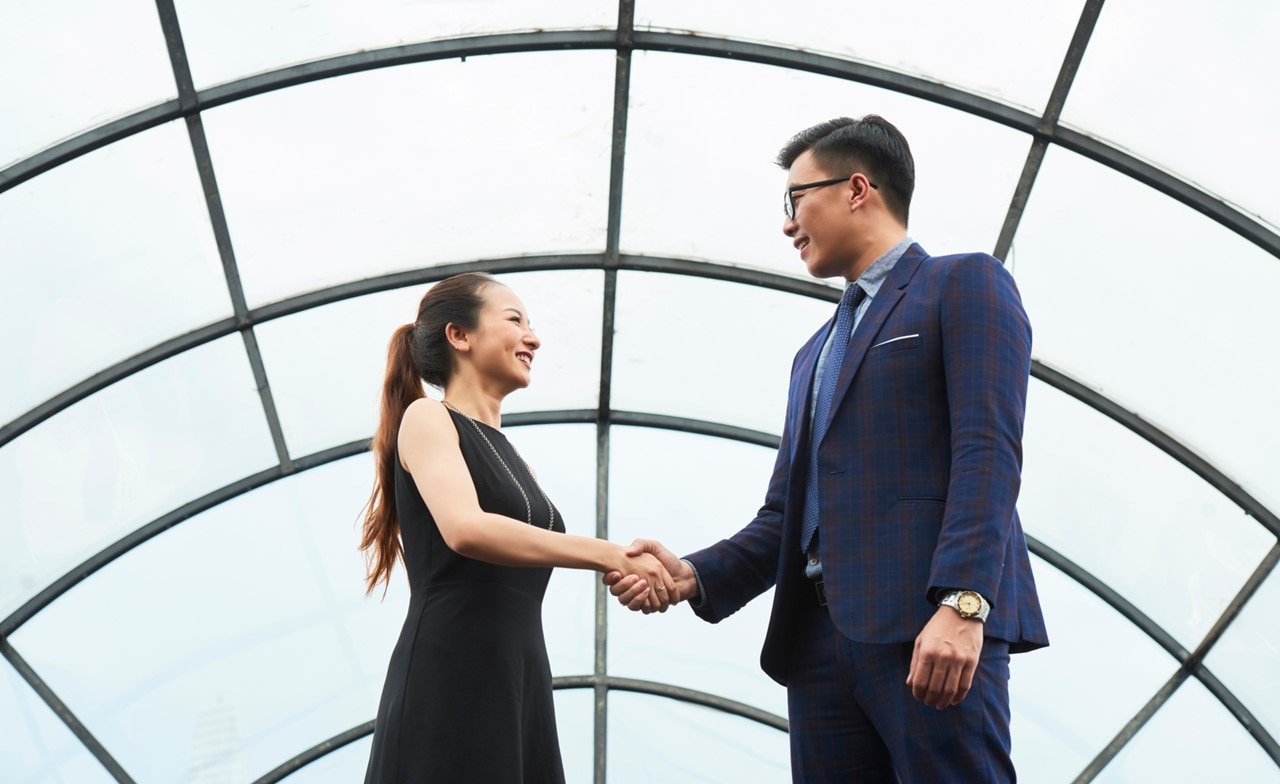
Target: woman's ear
(457,337)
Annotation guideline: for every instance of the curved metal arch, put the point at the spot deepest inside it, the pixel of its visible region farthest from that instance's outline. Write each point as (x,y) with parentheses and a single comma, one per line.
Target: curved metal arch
(1212,207)
(546,263)
(677,693)
(1190,663)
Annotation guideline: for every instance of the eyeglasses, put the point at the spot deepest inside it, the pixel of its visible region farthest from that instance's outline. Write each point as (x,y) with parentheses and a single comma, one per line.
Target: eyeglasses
(789,198)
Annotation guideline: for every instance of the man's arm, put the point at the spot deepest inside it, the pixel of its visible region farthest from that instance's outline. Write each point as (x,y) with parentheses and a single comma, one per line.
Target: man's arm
(986,346)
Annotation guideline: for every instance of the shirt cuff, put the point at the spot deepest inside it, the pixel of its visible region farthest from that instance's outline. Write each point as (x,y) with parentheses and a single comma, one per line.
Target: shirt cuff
(701,601)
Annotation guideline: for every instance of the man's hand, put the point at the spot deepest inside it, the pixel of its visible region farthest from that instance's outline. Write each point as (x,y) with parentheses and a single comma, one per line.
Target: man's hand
(945,659)
(632,592)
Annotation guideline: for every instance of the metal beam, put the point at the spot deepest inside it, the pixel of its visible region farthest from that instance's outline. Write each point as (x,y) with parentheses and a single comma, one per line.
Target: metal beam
(1048,122)
(677,693)
(188,101)
(1161,440)
(1190,664)
(759,278)
(64,713)
(1216,209)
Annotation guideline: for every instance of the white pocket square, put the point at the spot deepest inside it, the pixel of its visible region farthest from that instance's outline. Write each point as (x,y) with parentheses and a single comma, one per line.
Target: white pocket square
(895,340)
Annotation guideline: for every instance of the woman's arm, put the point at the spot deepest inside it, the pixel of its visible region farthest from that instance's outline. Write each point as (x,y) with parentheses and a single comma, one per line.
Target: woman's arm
(429,451)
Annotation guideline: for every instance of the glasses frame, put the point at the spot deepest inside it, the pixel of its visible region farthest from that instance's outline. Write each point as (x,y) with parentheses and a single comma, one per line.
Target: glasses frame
(789,196)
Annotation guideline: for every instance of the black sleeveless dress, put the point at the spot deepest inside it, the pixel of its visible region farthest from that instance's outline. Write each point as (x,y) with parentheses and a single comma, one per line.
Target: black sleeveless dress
(468,690)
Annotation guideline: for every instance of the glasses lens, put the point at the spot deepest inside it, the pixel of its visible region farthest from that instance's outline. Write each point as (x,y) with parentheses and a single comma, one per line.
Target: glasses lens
(788,205)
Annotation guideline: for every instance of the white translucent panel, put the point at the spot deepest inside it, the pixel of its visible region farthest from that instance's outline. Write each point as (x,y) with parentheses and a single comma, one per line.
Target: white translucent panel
(345,764)
(1206,118)
(259,645)
(1133,516)
(101,258)
(703,134)
(1164,311)
(708,350)
(68,68)
(407,167)
(135,451)
(240,37)
(1016,60)
(576,726)
(1191,738)
(342,350)
(35,746)
(564,459)
(664,740)
(1069,700)
(689,492)
(1247,658)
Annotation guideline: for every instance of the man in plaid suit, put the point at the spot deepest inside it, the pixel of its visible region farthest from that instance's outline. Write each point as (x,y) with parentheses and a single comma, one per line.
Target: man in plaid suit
(902,576)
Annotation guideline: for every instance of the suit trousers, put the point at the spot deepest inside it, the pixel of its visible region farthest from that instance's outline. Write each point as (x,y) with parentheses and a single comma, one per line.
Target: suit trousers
(853,718)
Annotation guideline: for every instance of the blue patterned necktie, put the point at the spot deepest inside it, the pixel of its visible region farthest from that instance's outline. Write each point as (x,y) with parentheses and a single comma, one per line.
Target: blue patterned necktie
(849,302)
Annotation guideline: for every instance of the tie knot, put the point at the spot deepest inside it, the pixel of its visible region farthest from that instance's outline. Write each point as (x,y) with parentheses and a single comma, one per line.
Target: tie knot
(852,297)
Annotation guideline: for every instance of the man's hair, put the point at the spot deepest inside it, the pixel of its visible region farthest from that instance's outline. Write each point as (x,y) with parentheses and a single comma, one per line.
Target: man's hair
(871,145)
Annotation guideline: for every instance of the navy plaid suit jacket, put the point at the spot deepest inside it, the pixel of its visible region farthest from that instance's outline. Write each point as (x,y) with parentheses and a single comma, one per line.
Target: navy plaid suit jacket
(920,468)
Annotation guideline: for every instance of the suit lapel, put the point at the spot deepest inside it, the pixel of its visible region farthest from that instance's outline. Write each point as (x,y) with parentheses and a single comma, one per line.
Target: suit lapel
(882,305)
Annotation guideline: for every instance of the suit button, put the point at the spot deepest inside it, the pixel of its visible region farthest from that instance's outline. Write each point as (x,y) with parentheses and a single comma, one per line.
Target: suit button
(813,561)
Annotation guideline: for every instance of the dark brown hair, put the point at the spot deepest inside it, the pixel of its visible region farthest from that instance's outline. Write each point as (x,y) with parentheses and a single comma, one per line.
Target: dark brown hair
(871,145)
(417,352)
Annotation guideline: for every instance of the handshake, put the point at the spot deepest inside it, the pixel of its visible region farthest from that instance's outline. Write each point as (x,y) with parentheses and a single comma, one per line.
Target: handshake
(651,578)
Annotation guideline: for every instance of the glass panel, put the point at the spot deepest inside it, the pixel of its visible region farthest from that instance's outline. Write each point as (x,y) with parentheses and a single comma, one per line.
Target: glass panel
(1247,658)
(103,257)
(891,35)
(1069,700)
(659,739)
(564,457)
(1133,516)
(708,350)
(127,455)
(1191,738)
(1205,118)
(684,157)
(35,746)
(345,764)
(67,69)
(576,726)
(342,349)
(260,644)
(406,167)
(1178,323)
(241,37)
(650,473)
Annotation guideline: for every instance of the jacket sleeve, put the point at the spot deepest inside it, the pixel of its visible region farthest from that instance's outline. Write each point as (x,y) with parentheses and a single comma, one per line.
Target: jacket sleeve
(986,350)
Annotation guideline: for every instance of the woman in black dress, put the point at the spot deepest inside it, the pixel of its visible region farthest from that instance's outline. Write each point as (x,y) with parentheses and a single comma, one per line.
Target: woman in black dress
(468,690)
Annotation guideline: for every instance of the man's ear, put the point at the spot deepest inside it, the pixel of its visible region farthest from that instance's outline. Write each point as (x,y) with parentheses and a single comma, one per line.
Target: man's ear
(859,189)
(457,337)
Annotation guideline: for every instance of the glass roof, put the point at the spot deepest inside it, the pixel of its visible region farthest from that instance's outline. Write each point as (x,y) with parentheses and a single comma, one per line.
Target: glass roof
(207,236)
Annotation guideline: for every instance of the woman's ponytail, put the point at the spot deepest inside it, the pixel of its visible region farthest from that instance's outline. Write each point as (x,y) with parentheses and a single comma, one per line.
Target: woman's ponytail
(380,540)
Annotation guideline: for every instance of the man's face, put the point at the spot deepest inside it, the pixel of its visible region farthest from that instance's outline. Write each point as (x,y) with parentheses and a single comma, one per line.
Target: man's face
(821,229)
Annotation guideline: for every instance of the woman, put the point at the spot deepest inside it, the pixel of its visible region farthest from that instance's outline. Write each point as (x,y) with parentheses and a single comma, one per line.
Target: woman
(468,690)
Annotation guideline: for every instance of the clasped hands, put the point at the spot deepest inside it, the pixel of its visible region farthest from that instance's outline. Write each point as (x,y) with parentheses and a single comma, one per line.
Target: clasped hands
(646,591)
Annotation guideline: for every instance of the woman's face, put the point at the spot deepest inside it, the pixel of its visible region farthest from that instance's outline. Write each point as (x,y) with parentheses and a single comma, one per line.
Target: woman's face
(503,343)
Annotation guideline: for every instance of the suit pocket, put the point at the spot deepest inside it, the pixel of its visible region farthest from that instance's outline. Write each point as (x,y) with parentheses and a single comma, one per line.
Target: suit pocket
(894,344)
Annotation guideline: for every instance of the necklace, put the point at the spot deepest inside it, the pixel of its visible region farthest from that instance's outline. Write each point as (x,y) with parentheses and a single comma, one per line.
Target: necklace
(528,509)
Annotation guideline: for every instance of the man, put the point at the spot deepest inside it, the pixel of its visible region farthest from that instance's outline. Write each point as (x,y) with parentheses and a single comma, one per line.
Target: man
(889,529)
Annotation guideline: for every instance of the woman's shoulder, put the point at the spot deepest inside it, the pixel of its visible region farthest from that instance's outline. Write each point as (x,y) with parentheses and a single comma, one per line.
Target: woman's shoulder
(426,419)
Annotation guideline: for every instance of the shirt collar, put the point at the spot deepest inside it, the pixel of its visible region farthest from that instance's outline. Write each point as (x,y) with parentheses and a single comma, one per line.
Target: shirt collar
(873,277)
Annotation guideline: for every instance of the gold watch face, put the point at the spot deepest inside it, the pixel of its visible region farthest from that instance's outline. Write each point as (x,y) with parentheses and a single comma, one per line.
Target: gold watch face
(968,604)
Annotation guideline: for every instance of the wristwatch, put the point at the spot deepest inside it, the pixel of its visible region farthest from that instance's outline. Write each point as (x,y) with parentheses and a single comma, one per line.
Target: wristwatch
(969,604)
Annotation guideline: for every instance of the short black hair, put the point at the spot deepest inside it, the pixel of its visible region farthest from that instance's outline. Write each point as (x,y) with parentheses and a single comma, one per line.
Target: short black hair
(871,145)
